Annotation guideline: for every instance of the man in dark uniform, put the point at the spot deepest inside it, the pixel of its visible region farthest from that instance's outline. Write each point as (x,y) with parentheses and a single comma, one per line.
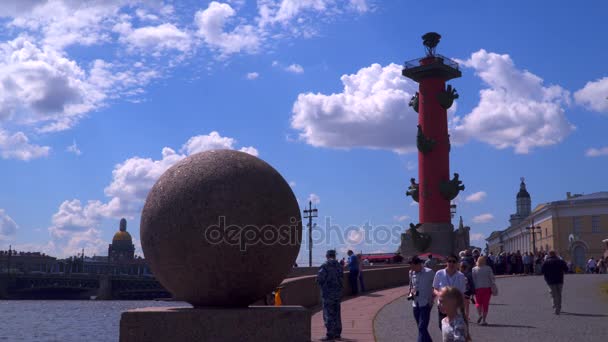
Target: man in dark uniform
(553,269)
(330,282)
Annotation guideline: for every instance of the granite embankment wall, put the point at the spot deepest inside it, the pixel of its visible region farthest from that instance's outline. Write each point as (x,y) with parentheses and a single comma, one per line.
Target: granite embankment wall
(304,290)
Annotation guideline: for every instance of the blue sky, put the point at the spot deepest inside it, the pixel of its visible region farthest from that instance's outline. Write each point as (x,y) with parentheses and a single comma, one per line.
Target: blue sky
(93,92)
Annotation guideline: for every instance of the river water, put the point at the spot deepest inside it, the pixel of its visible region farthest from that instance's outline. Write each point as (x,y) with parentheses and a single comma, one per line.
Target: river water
(66,321)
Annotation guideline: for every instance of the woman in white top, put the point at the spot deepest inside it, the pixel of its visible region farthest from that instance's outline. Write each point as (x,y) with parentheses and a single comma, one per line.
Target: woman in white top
(483,278)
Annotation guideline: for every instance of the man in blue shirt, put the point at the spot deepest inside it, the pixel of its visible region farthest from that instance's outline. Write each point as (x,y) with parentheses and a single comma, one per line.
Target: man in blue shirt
(421,295)
(353,272)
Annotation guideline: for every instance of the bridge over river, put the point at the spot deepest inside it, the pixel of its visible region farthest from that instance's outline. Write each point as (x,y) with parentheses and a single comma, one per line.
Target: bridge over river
(79,286)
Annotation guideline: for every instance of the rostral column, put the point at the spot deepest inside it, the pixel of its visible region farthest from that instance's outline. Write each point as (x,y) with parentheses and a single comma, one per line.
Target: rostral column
(435,189)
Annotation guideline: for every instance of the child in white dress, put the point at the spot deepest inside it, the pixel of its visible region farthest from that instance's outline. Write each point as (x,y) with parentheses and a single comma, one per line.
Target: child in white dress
(454,328)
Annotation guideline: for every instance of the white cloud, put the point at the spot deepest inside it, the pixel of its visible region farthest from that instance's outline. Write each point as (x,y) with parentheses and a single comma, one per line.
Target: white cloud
(252,75)
(74,149)
(314,198)
(413,204)
(478,237)
(476,197)
(46,90)
(593,95)
(41,82)
(401,218)
(371,111)
(75,222)
(483,218)
(156,38)
(411,165)
(17,146)
(285,11)
(211,22)
(295,68)
(597,152)
(63,23)
(8,227)
(516,110)
(292,184)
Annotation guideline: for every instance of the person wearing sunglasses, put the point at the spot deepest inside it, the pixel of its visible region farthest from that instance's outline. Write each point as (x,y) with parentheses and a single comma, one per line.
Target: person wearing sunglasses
(450,276)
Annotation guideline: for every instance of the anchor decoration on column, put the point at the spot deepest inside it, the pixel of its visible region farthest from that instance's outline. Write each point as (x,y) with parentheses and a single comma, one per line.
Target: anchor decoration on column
(450,189)
(414,102)
(446,98)
(424,144)
(413,189)
(421,241)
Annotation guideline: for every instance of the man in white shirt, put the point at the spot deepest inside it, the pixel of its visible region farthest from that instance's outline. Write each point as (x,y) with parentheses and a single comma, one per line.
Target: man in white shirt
(449,276)
(421,295)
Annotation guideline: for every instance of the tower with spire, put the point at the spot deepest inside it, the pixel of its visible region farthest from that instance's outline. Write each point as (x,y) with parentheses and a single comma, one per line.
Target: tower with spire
(523,203)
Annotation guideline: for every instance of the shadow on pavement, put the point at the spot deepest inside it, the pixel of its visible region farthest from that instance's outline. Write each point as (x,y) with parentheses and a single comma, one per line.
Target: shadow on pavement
(509,326)
(499,304)
(582,314)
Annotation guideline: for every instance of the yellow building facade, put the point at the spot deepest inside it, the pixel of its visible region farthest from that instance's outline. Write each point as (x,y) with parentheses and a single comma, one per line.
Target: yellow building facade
(574,227)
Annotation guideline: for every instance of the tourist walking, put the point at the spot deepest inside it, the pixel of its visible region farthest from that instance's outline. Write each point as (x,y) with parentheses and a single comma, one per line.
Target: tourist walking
(601,266)
(330,281)
(483,279)
(591,264)
(454,327)
(353,272)
(449,276)
(361,264)
(527,259)
(468,294)
(553,269)
(421,295)
(468,258)
(430,262)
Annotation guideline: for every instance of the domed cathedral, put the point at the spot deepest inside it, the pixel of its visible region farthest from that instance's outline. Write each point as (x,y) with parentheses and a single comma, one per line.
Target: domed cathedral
(122,247)
(523,204)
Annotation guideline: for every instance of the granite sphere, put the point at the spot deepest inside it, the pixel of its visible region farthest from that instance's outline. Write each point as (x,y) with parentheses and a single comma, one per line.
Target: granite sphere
(221,228)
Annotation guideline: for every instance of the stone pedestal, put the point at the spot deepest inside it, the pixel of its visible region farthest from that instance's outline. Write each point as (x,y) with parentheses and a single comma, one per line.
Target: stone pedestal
(442,237)
(255,323)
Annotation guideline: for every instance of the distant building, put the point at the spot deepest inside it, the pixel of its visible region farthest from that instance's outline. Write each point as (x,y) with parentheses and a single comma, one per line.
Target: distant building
(121,257)
(122,247)
(121,260)
(26,262)
(574,227)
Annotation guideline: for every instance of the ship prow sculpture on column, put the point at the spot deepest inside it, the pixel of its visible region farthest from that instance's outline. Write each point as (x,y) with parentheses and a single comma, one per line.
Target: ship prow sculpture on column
(221,229)
(434,190)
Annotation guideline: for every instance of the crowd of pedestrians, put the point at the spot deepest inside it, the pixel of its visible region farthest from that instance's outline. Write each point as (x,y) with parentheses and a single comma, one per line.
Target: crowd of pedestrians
(599,265)
(466,279)
(517,263)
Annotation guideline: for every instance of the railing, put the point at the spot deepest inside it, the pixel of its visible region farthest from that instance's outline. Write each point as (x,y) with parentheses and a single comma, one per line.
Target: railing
(438,59)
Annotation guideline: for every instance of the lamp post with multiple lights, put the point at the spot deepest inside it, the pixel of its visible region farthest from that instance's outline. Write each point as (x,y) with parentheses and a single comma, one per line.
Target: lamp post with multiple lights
(532,229)
(309,214)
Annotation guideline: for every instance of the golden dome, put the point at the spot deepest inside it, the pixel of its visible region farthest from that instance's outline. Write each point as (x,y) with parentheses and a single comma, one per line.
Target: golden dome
(122,236)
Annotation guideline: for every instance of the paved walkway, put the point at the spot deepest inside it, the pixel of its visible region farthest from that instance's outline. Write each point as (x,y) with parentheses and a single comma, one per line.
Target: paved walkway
(358,315)
(522,312)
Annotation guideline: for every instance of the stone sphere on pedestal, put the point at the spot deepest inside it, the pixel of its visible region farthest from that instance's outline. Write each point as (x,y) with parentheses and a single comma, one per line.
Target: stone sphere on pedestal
(221,228)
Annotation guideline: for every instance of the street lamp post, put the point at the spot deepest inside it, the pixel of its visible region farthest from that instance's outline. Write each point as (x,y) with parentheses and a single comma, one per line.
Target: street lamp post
(309,214)
(532,229)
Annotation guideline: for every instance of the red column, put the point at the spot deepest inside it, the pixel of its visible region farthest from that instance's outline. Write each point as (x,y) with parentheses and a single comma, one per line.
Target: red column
(434,166)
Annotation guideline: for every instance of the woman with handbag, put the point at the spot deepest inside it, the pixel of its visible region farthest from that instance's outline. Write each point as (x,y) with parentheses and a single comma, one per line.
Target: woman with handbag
(485,287)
